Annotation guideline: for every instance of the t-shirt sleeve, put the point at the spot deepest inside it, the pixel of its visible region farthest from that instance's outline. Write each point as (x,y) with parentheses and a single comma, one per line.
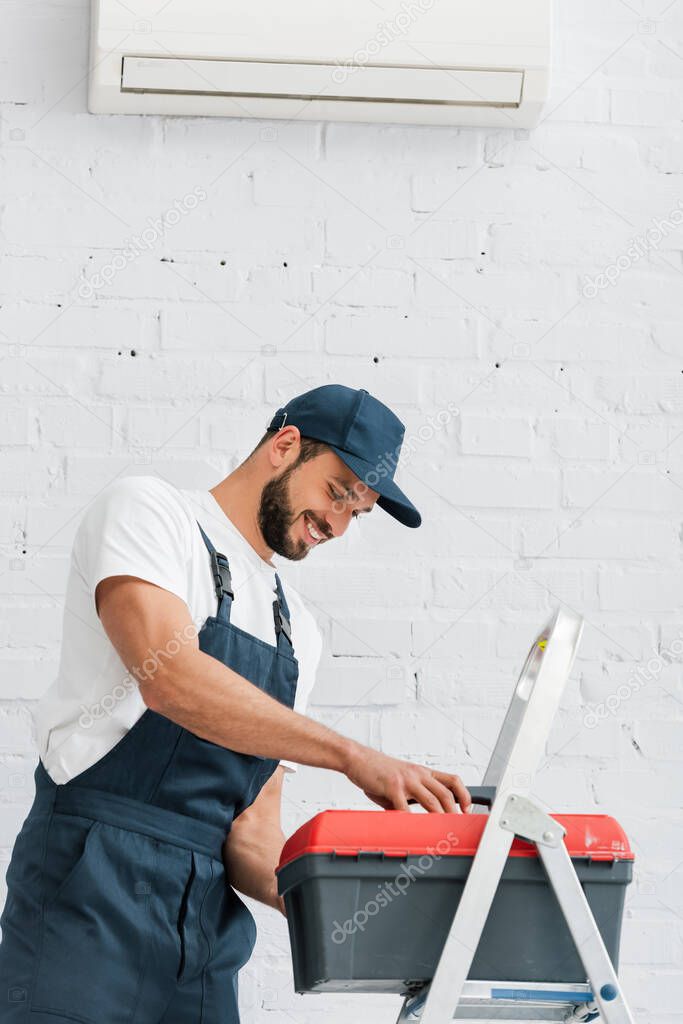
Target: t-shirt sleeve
(135,527)
(308,666)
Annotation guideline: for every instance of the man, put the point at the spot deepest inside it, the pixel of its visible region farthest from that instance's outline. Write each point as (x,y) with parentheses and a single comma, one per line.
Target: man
(184,671)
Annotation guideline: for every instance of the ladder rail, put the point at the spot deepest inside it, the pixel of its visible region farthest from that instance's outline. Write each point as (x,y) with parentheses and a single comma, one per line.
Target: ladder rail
(513,764)
(600,971)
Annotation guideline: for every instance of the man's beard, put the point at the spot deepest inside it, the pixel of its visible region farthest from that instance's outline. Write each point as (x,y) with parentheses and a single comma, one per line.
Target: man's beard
(275,518)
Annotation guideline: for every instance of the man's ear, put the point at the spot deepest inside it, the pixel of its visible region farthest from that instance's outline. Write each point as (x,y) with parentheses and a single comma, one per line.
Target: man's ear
(285,446)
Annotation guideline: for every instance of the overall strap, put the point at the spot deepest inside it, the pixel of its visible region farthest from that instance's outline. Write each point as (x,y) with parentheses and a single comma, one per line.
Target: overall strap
(281,613)
(224,592)
(222,579)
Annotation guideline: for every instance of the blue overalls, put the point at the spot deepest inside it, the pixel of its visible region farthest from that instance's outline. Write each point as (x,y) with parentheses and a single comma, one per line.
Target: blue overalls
(119,910)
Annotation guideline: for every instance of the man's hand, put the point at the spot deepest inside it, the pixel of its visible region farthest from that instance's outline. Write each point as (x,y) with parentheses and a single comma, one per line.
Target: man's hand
(393,783)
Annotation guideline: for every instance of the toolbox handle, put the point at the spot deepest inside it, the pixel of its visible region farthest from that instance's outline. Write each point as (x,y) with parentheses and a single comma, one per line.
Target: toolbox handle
(480,795)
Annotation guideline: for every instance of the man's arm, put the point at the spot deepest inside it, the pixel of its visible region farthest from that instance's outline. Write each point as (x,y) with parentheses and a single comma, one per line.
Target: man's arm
(251,851)
(153,632)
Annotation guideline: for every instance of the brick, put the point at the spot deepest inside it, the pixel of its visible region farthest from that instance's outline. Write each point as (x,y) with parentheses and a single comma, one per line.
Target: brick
(396,382)
(16,423)
(252,234)
(26,677)
(75,425)
(578,439)
(376,638)
(345,286)
(613,539)
(27,627)
(402,335)
(459,638)
(349,682)
(11,820)
(22,476)
(473,482)
(463,681)
(614,640)
(643,107)
(230,426)
(655,788)
(418,147)
(360,725)
(329,187)
(39,572)
(633,488)
(43,326)
(444,240)
(16,730)
(484,435)
(370,586)
(473,534)
(660,740)
(643,589)
(270,285)
(52,524)
(415,733)
(446,286)
(648,941)
(159,426)
(570,737)
(12,520)
(180,278)
(167,376)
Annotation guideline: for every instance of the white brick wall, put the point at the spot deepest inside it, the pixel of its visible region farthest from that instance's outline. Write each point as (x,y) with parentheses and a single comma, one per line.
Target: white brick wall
(432,266)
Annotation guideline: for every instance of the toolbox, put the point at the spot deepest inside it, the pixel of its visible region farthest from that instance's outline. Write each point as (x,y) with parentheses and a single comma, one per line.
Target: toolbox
(370,896)
(506,913)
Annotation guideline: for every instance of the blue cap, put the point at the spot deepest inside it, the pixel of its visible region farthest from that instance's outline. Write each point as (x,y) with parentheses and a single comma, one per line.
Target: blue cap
(364,433)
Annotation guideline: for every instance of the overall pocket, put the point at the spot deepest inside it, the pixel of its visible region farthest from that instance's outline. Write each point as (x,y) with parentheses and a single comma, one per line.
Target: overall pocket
(195,944)
(95,924)
(182,918)
(230,926)
(68,838)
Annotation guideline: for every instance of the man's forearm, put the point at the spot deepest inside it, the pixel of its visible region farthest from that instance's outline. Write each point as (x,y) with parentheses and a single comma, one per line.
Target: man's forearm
(208,698)
(250,864)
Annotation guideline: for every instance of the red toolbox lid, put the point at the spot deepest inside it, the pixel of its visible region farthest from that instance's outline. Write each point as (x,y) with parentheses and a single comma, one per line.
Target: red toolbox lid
(404,833)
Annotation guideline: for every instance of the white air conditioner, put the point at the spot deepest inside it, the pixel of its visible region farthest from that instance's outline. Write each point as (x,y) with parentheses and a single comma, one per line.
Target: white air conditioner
(454,62)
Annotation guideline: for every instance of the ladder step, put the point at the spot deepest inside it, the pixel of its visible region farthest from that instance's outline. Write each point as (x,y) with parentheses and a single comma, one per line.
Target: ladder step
(510,1000)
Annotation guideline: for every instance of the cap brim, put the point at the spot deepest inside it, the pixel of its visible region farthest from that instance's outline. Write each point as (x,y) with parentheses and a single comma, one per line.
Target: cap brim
(391,497)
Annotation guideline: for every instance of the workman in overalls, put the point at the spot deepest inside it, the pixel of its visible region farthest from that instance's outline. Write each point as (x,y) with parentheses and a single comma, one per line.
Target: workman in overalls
(184,671)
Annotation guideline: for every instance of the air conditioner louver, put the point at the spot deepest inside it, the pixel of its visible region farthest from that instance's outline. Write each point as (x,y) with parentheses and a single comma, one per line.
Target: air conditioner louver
(282,80)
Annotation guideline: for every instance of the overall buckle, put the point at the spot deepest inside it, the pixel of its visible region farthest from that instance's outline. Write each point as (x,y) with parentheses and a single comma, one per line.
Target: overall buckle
(221,576)
(281,621)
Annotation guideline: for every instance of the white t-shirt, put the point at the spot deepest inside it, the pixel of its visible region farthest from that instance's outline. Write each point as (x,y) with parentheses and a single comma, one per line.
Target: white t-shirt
(143,526)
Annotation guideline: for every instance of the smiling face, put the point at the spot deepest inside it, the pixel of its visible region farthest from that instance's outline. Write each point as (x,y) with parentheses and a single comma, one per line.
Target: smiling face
(310,503)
